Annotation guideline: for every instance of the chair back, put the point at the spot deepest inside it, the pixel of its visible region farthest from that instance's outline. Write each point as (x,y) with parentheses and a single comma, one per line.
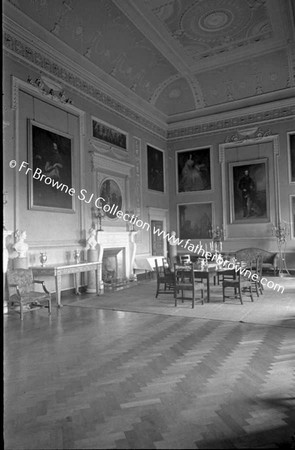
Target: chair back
(184,259)
(23,278)
(184,275)
(159,269)
(166,266)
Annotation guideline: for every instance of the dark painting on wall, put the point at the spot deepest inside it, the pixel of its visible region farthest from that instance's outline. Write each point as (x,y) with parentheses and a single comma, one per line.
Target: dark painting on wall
(195,220)
(50,154)
(291,151)
(111,135)
(111,193)
(194,170)
(155,169)
(249,191)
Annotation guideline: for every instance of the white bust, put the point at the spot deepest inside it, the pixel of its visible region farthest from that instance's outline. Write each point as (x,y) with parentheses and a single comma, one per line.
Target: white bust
(91,241)
(21,247)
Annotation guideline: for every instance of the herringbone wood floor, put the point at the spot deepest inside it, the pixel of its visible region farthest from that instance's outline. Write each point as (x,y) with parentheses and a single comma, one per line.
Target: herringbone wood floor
(90,378)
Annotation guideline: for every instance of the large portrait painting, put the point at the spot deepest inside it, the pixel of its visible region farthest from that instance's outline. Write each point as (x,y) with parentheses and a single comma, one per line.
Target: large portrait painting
(109,134)
(194,170)
(249,191)
(111,193)
(195,220)
(50,151)
(291,156)
(155,168)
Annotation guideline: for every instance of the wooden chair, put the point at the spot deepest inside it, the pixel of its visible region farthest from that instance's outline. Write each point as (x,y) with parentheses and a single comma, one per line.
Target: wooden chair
(20,283)
(238,283)
(184,259)
(166,266)
(184,280)
(165,278)
(224,274)
(257,269)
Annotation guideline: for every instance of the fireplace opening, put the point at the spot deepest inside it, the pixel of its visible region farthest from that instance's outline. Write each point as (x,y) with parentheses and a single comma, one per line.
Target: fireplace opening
(113,267)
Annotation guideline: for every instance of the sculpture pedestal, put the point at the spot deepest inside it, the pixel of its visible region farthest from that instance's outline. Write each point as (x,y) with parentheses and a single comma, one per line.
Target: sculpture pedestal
(92,256)
(20,263)
(172,250)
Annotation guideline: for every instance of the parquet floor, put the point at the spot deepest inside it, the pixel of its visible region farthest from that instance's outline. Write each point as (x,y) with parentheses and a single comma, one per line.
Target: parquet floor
(90,378)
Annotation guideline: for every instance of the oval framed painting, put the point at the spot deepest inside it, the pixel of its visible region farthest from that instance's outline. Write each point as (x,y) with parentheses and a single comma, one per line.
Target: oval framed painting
(111,193)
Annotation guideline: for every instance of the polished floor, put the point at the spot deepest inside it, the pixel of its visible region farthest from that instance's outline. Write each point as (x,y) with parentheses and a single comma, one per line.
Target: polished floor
(96,376)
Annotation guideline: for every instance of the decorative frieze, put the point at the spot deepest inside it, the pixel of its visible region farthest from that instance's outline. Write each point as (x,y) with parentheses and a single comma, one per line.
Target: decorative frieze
(44,63)
(234,122)
(248,133)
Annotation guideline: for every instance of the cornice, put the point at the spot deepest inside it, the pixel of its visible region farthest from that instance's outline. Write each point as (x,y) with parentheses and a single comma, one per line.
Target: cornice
(81,76)
(259,114)
(21,44)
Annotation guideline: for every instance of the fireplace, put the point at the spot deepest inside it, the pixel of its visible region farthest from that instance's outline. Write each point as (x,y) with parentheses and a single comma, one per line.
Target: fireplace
(116,252)
(113,267)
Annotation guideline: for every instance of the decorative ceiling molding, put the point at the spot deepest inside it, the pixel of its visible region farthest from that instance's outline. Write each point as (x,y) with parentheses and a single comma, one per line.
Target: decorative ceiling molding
(67,68)
(54,58)
(49,66)
(234,121)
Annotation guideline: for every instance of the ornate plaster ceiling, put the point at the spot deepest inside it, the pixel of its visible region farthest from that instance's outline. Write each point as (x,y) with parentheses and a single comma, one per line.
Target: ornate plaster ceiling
(184,57)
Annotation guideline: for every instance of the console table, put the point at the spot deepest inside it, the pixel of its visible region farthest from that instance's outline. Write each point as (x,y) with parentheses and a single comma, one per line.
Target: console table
(57,270)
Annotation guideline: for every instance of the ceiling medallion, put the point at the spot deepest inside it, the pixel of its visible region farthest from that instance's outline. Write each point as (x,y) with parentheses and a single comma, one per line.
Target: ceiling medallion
(215,20)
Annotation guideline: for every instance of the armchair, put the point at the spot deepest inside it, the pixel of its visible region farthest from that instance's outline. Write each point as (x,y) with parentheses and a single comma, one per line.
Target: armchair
(21,292)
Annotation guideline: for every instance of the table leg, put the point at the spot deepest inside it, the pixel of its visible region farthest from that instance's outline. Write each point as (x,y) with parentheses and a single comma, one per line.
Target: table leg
(208,289)
(76,284)
(58,289)
(96,281)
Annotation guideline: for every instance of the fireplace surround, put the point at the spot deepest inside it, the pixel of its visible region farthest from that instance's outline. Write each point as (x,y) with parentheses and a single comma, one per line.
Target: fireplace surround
(116,253)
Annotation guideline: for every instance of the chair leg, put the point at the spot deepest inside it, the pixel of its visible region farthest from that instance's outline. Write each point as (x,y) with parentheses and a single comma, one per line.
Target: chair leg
(21,310)
(240,295)
(158,288)
(251,295)
(49,305)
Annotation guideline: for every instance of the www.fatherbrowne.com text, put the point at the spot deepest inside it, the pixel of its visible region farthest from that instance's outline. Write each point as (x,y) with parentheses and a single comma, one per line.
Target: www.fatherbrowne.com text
(87,198)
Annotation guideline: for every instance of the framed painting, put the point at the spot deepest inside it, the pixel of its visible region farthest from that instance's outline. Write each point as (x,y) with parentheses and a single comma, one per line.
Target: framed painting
(111,193)
(155,169)
(50,155)
(249,191)
(291,156)
(195,220)
(105,132)
(193,169)
(292,215)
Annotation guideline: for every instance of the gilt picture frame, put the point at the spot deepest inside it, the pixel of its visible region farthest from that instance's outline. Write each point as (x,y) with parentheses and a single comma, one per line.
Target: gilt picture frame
(50,153)
(193,170)
(195,220)
(249,191)
(291,155)
(109,134)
